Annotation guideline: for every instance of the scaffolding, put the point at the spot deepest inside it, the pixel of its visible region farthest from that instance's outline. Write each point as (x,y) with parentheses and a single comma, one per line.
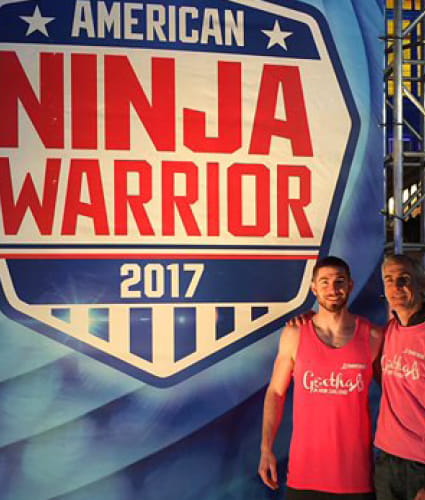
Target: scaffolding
(404,126)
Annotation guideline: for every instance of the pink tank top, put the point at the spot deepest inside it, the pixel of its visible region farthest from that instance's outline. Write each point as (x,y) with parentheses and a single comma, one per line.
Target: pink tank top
(401,422)
(331,446)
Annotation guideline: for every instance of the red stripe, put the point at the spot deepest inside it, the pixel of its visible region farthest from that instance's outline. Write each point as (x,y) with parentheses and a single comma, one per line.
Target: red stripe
(157,256)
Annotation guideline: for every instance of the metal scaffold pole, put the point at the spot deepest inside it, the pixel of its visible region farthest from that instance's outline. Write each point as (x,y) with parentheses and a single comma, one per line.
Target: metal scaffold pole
(405,101)
(421,92)
(398,128)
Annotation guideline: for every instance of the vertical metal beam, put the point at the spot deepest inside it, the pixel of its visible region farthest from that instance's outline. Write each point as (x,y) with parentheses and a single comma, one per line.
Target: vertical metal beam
(398,127)
(421,94)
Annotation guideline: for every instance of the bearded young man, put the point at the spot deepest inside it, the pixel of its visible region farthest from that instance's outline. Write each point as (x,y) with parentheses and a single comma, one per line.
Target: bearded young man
(330,358)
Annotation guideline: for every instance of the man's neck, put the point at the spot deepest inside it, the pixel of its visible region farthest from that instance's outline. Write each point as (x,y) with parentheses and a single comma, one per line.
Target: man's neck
(338,325)
(335,318)
(411,316)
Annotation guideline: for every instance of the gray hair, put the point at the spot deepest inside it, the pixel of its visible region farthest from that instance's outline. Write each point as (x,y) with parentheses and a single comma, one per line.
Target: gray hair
(414,265)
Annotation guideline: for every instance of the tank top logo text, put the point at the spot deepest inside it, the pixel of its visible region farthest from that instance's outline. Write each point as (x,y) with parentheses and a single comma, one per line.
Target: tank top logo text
(400,367)
(336,383)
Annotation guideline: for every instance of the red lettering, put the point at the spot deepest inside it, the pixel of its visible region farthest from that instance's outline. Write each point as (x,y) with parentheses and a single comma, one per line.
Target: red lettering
(74,207)
(182,203)
(229,137)
(136,202)
(213,199)
(262,199)
(122,89)
(45,113)
(187,193)
(295,127)
(84,101)
(43,212)
(285,204)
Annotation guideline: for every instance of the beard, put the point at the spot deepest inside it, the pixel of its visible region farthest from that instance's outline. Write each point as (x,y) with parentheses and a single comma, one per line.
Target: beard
(332,306)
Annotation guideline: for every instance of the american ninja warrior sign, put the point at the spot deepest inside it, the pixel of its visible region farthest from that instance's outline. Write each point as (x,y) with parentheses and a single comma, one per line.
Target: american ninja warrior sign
(169,173)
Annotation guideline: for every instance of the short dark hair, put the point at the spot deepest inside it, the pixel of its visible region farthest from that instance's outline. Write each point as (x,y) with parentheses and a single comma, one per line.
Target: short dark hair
(331,261)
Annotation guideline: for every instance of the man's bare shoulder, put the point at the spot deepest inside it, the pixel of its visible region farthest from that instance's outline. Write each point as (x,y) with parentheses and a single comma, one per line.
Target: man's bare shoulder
(285,360)
(289,340)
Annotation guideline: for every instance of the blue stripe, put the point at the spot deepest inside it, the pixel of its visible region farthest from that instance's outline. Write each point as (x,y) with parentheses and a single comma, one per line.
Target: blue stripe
(141,332)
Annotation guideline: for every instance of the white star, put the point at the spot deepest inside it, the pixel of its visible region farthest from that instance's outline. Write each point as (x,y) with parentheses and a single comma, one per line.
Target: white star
(277,36)
(37,22)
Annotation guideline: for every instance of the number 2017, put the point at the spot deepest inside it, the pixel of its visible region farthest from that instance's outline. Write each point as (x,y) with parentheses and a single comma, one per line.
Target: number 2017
(152,278)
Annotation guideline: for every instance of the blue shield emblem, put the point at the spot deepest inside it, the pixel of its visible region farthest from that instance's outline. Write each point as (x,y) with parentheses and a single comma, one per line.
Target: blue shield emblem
(168,174)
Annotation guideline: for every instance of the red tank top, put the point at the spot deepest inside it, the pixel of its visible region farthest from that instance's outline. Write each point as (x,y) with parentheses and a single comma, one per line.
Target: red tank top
(331,446)
(401,422)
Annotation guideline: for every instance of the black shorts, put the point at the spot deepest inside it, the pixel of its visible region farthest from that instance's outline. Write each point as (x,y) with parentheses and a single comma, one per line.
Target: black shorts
(293,494)
(397,478)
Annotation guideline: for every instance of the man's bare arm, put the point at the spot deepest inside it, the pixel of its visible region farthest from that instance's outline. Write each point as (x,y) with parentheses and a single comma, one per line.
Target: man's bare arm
(274,404)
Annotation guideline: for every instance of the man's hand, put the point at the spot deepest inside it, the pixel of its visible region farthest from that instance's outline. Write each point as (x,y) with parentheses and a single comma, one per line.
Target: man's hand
(420,495)
(268,470)
(301,319)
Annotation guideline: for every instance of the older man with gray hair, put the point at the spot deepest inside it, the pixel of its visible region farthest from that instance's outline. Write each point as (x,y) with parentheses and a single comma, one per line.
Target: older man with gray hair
(400,435)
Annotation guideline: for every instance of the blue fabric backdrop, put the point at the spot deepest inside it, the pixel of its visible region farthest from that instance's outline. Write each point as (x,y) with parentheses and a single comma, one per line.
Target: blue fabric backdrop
(75,425)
